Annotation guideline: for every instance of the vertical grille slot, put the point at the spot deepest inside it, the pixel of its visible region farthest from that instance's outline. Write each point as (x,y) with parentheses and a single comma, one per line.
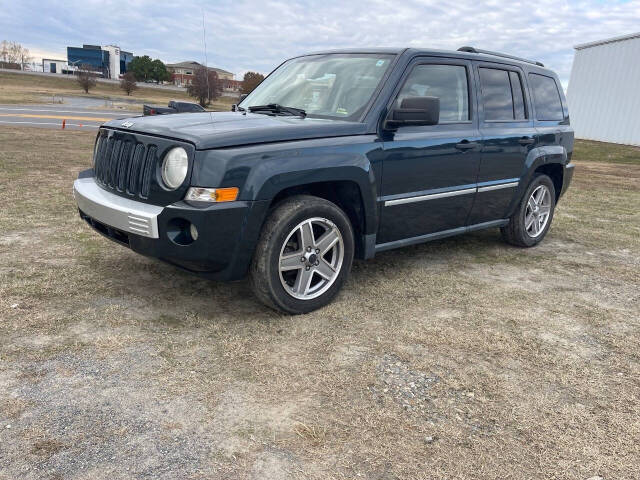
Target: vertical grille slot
(99,157)
(145,172)
(133,186)
(123,166)
(113,164)
(104,160)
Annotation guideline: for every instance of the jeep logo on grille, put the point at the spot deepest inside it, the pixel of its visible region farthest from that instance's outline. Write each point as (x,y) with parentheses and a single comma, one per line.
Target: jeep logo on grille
(127,124)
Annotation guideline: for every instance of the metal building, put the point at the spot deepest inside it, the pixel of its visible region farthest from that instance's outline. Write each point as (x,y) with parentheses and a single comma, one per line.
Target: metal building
(604,90)
(52,65)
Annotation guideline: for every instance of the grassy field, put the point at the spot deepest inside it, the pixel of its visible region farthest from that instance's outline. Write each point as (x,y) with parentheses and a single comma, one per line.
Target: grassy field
(460,359)
(589,151)
(18,88)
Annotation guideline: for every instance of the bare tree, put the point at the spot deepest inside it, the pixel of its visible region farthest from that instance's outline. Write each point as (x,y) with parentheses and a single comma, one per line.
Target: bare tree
(85,77)
(205,86)
(128,83)
(4,51)
(12,53)
(24,56)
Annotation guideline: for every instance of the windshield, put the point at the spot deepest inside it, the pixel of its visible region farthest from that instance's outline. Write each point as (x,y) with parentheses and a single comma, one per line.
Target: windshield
(324,86)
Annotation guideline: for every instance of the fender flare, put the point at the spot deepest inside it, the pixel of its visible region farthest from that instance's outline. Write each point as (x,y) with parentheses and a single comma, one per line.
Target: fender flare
(281,177)
(538,156)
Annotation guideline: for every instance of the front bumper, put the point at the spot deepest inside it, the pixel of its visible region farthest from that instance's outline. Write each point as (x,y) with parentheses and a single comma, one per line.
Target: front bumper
(227,232)
(117,212)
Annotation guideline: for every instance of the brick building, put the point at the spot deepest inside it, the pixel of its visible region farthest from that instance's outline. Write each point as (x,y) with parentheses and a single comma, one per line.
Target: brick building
(182,72)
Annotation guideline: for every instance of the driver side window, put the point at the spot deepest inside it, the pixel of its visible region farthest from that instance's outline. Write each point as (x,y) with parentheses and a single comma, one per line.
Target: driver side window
(447,82)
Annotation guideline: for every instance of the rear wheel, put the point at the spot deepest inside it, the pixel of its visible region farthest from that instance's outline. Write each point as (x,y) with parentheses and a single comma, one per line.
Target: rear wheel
(532,219)
(304,255)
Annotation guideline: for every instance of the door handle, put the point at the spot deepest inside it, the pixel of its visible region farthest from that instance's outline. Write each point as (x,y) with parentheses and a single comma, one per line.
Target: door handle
(466,145)
(526,141)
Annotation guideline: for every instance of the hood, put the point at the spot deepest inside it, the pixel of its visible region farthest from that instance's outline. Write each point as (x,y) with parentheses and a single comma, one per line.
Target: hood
(226,129)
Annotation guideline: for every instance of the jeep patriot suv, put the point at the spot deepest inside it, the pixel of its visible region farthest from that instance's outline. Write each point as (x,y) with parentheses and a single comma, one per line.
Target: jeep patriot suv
(336,155)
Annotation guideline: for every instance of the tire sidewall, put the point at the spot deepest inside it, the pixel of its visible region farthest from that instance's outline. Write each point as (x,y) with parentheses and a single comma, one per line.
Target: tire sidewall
(540,179)
(322,209)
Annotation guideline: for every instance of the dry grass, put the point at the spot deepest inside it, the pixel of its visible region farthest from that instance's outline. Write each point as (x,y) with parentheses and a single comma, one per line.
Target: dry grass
(18,88)
(463,358)
(590,151)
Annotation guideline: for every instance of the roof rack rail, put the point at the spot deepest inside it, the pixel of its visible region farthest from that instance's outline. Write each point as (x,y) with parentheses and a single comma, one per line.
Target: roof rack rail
(496,54)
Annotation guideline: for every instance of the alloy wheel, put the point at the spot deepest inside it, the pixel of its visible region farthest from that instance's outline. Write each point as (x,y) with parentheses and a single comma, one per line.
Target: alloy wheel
(538,211)
(311,258)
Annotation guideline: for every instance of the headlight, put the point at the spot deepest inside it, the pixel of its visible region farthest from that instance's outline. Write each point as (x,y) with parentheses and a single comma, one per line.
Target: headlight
(174,167)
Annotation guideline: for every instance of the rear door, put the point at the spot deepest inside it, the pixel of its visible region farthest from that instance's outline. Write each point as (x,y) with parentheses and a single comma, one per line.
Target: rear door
(429,172)
(506,125)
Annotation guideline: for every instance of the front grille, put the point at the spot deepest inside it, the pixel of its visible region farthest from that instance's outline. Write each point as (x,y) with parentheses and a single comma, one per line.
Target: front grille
(125,165)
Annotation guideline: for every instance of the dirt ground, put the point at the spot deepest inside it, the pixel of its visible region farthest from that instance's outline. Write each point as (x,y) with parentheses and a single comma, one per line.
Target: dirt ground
(460,359)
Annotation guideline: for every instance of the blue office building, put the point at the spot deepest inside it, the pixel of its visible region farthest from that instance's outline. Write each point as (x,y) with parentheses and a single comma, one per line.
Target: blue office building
(125,60)
(108,62)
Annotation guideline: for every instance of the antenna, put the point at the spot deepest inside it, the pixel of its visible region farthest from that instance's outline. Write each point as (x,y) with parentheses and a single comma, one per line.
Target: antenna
(206,68)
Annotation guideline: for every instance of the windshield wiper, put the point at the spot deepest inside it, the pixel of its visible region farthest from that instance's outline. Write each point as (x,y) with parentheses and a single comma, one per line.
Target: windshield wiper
(278,109)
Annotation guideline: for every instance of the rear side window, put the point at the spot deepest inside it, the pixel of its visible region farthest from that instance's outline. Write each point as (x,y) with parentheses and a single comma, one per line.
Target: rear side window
(546,97)
(502,95)
(447,82)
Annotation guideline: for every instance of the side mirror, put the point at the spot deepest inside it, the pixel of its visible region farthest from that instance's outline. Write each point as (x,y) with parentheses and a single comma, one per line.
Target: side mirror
(415,111)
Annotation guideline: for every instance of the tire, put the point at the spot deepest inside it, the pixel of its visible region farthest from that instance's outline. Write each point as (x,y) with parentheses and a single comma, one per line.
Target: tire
(520,231)
(290,287)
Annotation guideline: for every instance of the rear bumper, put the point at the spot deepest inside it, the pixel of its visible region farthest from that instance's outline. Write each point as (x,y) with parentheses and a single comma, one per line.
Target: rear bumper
(227,232)
(567,177)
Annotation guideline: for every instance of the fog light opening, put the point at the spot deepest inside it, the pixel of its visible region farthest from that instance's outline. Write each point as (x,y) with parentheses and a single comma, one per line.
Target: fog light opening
(181,231)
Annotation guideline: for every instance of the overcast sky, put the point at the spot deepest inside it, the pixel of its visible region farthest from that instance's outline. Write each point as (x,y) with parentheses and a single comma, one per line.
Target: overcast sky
(258,35)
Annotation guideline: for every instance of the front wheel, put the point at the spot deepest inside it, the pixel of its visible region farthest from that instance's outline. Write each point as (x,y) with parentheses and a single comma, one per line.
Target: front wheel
(532,219)
(304,255)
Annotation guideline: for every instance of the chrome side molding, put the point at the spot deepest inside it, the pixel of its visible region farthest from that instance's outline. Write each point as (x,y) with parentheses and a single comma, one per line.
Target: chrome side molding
(488,188)
(452,193)
(432,196)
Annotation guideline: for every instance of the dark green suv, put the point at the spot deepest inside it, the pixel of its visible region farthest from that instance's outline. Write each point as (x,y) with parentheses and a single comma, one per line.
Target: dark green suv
(337,155)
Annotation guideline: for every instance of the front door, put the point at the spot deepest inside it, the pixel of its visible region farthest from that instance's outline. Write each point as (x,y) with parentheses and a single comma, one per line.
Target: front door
(429,172)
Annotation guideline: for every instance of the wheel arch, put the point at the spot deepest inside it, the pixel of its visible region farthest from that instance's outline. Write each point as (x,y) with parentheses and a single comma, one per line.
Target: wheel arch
(549,160)
(555,171)
(348,195)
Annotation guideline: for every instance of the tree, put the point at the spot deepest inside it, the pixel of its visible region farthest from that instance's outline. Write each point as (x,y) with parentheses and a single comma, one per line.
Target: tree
(159,71)
(23,55)
(12,53)
(128,83)
(251,81)
(142,68)
(205,86)
(85,77)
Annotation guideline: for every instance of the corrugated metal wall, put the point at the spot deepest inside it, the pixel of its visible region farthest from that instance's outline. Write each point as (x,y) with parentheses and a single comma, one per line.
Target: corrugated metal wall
(604,92)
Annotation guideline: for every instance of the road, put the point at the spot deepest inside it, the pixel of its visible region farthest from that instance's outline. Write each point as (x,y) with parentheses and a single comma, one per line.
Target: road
(53,116)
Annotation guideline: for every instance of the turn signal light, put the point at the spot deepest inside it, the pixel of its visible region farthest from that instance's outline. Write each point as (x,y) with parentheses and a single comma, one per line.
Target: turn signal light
(201,194)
